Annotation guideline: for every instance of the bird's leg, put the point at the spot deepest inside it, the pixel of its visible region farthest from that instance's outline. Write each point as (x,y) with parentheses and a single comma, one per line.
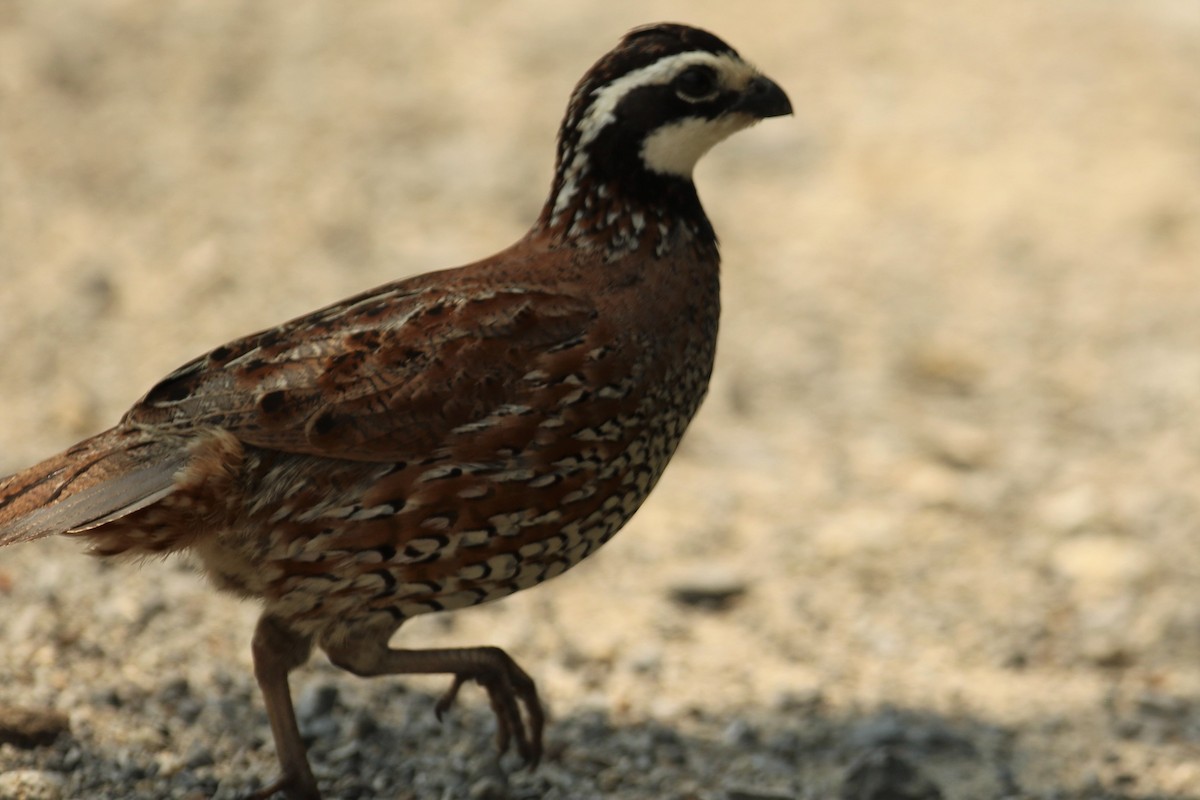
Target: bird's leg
(277,651)
(510,690)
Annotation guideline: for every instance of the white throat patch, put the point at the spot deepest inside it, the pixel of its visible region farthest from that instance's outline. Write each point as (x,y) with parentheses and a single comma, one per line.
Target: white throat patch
(674,149)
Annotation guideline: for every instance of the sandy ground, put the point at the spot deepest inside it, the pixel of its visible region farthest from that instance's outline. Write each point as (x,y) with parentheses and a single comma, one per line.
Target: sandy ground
(948,467)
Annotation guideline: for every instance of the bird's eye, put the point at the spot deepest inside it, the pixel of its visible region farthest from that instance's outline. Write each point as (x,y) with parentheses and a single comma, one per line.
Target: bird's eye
(696,84)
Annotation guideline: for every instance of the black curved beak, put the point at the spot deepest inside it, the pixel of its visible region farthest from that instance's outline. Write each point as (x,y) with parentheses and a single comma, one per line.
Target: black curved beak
(763,98)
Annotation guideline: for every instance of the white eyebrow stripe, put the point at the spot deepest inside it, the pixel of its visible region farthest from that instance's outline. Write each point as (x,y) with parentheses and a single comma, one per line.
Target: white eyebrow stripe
(601,111)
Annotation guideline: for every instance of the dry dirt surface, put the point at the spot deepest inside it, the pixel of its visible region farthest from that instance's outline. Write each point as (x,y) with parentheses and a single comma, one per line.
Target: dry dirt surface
(934,534)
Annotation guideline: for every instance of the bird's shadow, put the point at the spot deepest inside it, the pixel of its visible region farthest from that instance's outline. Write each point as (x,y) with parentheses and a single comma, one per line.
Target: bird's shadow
(384,741)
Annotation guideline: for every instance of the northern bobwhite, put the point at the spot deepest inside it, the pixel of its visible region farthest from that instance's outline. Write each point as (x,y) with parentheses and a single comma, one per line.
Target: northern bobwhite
(451,438)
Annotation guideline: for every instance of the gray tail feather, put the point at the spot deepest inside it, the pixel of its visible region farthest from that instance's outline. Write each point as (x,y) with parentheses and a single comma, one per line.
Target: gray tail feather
(97,481)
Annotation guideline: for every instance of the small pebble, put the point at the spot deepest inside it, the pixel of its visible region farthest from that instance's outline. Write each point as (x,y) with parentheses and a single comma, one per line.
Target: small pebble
(756,794)
(645,658)
(488,788)
(350,751)
(31,727)
(877,731)
(175,690)
(30,784)
(364,724)
(713,588)
(1100,562)
(199,756)
(924,734)
(740,733)
(317,701)
(885,775)
(958,445)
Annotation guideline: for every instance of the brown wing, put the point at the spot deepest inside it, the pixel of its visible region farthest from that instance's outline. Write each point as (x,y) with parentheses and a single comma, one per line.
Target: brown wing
(383,376)
(111,474)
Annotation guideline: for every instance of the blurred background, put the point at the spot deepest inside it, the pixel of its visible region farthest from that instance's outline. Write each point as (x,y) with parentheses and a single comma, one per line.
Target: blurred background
(937,519)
